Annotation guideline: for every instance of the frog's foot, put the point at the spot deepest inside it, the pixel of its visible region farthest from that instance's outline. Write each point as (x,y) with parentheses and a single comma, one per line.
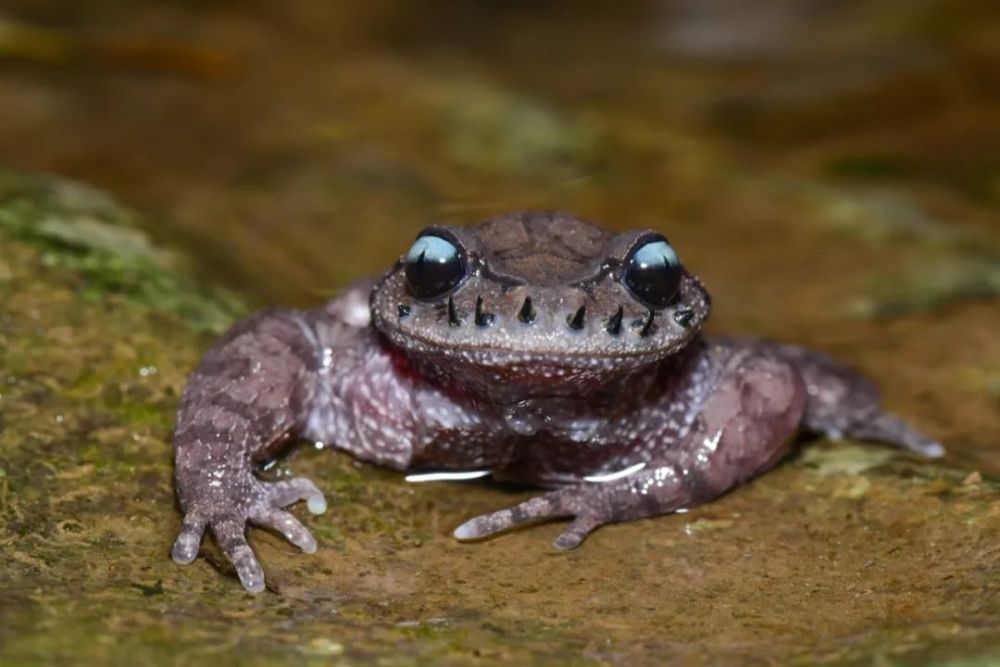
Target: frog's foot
(884,427)
(576,502)
(259,503)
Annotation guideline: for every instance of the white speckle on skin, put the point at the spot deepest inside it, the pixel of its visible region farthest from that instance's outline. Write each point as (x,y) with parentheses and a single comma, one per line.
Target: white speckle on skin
(713,442)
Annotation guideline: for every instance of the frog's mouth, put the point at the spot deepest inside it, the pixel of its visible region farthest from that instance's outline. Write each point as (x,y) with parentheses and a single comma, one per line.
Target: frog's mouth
(533,338)
(505,376)
(579,356)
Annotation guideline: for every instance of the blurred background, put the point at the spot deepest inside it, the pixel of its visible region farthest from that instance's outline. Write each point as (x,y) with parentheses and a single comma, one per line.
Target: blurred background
(268,137)
(830,168)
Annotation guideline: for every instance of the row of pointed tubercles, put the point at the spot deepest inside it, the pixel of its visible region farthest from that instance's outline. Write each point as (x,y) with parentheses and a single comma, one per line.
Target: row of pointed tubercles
(575,320)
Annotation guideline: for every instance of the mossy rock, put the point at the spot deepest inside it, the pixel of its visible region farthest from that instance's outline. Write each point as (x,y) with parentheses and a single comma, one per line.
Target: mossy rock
(100,243)
(846,555)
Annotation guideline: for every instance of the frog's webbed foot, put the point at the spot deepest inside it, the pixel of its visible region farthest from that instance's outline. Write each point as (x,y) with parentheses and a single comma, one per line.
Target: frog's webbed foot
(227,514)
(581,503)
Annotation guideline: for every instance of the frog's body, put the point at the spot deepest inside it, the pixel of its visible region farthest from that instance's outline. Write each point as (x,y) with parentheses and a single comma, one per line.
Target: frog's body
(535,346)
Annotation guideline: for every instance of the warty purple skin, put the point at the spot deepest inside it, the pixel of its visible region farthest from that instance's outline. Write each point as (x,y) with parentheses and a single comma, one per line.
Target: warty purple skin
(623,410)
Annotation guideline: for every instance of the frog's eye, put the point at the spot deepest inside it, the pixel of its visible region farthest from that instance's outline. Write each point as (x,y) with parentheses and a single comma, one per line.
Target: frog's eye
(433,266)
(653,273)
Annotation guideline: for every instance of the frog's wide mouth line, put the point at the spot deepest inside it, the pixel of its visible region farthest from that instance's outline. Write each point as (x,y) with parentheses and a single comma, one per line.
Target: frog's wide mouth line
(595,354)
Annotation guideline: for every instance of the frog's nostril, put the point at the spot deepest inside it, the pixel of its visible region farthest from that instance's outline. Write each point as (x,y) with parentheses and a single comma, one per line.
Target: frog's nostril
(482,319)
(527,313)
(403,310)
(614,324)
(453,318)
(576,320)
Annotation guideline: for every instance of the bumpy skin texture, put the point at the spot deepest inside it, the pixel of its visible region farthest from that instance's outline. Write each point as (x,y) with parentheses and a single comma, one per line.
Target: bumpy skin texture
(540,367)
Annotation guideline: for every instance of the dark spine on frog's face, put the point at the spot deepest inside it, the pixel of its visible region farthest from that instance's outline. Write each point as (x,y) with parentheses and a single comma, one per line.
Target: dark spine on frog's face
(526,315)
(577,319)
(614,323)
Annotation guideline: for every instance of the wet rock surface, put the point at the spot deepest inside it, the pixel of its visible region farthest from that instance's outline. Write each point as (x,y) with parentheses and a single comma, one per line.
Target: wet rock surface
(849,208)
(845,552)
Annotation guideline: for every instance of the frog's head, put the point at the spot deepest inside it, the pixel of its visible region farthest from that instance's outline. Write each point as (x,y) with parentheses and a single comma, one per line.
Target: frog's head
(537,303)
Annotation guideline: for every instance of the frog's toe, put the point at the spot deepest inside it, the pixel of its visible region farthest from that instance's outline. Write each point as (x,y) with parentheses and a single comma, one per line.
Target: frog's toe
(537,509)
(188,540)
(287,525)
(577,531)
(283,494)
(230,532)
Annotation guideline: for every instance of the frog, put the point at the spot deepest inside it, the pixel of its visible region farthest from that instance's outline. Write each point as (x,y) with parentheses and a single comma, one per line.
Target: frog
(534,347)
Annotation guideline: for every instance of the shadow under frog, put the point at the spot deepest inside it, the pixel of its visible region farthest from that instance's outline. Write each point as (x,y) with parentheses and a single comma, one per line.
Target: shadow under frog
(535,347)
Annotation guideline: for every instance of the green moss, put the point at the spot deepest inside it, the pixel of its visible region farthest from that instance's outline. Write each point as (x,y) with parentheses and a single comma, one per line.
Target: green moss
(868,167)
(83,230)
(844,459)
(490,128)
(930,286)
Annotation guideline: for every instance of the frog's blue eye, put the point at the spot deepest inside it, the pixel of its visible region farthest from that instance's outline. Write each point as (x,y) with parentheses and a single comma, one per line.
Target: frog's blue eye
(433,266)
(653,273)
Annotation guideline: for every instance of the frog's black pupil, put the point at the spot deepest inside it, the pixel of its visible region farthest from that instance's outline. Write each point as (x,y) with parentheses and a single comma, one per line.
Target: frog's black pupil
(433,267)
(653,273)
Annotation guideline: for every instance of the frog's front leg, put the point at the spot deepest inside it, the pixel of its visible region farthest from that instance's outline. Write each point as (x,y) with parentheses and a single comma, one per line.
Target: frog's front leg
(249,395)
(252,393)
(744,428)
